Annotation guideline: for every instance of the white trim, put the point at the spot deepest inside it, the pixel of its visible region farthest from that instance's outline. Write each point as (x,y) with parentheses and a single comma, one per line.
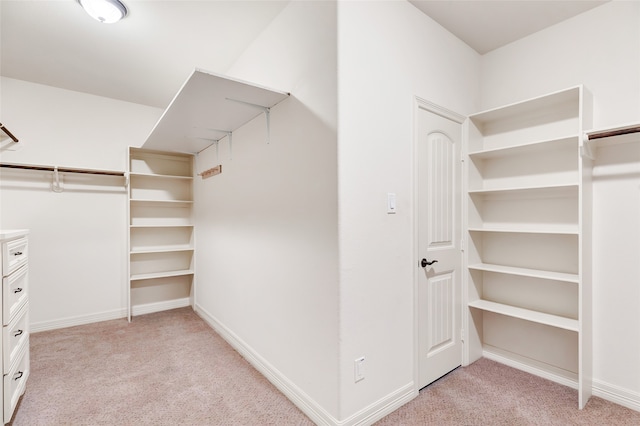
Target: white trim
(78,320)
(381,407)
(616,394)
(297,396)
(528,368)
(305,403)
(422,104)
(437,109)
(147,308)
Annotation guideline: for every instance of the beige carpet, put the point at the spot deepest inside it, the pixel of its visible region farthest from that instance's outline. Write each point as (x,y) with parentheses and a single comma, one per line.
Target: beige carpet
(171,368)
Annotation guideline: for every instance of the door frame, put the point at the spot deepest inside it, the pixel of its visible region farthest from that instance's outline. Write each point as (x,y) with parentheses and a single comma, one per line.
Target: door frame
(423,104)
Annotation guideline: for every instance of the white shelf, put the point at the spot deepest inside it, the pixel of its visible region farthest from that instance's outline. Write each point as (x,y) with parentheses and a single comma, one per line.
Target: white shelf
(158,249)
(534,106)
(158,176)
(156,203)
(159,226)
(528,148)
(205,109)
(529,229)
(167,274)
(535,190)
(526,272)
(527,315)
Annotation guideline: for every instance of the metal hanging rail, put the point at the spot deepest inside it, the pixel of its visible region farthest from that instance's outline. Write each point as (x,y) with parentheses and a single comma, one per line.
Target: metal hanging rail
(614,132)
(8,133)
(63,169)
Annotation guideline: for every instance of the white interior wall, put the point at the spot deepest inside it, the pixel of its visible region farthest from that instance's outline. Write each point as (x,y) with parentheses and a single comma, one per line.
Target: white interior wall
(388,52)
(266,228)
(78,249)
(300,313)
(600,49)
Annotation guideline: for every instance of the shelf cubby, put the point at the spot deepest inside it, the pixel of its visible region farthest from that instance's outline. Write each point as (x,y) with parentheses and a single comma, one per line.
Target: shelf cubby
(161,231)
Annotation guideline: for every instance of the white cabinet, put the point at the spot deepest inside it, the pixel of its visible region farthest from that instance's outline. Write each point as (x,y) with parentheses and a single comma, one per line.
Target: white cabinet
(161,234)
(528,208)
(15,319)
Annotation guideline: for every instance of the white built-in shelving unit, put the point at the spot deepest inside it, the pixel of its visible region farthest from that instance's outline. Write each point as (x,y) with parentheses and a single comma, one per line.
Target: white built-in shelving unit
(161,230)
(207,108)
(527,253)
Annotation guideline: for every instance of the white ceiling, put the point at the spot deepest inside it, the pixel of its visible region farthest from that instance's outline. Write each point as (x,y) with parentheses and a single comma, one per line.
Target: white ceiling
(487,25)
(146,57)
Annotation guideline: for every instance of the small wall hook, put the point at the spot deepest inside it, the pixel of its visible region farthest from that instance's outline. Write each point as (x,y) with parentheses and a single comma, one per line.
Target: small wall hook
(56,185)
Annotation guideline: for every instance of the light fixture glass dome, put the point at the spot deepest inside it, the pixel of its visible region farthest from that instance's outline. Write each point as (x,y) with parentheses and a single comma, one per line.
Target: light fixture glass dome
(106,11)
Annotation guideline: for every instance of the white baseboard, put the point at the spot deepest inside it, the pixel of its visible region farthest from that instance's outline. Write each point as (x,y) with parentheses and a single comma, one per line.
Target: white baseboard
(617,395)
(78,320)
(529,366)
(147,308)
(308,406)
(298,397)
(382,407)
(612,393)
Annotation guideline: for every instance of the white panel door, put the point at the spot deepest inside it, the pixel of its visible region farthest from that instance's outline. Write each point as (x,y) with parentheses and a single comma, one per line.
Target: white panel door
(440,260)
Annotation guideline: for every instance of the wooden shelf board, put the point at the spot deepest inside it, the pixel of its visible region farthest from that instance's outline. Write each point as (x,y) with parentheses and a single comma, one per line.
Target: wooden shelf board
(558,188)
(528,106)
(525,149)
(166,249)
(174,203)
(543,229)
(526,314)
(138,277)
(525,272)
(156,176)
(159,226)
(204,110)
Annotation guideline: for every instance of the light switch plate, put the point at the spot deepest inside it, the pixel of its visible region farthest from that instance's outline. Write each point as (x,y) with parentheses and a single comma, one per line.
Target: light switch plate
(391,203)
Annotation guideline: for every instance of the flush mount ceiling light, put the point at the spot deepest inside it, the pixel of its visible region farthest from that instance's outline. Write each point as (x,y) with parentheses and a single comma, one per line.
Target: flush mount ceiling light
(105,11)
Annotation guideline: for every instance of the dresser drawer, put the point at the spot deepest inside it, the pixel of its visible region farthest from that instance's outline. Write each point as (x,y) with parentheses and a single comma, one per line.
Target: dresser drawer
(14,337)
(14,293)
(14,255)
(15,383)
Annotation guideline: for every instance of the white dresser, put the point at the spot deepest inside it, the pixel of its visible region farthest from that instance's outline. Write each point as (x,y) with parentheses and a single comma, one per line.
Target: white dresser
(15,318)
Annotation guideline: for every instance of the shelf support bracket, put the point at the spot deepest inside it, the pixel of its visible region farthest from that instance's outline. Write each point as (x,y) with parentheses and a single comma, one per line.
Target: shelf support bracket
(586,149)
(267,114)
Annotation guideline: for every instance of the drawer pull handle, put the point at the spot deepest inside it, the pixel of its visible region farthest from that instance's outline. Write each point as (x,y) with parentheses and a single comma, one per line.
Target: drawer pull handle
(18,253)
(17,290)
(17,333)
(18,375)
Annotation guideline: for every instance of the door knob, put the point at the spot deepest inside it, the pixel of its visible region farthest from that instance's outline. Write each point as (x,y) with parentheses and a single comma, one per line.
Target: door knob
(425,262)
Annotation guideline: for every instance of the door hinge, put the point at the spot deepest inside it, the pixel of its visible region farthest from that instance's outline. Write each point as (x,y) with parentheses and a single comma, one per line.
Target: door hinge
(462,334)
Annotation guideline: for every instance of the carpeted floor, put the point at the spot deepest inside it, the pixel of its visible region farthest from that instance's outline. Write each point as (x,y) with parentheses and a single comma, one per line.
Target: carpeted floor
(489,393)
(171,368)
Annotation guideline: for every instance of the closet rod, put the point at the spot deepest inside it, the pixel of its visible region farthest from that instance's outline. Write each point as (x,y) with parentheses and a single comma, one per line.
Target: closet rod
(617,132)
(62,169)
(8,133)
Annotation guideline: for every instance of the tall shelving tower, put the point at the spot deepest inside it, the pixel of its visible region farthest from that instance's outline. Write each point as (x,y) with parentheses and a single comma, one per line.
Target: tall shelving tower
(528,241)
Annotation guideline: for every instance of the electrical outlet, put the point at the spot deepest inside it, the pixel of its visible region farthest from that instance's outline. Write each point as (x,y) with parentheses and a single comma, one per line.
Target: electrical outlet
(358,366)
